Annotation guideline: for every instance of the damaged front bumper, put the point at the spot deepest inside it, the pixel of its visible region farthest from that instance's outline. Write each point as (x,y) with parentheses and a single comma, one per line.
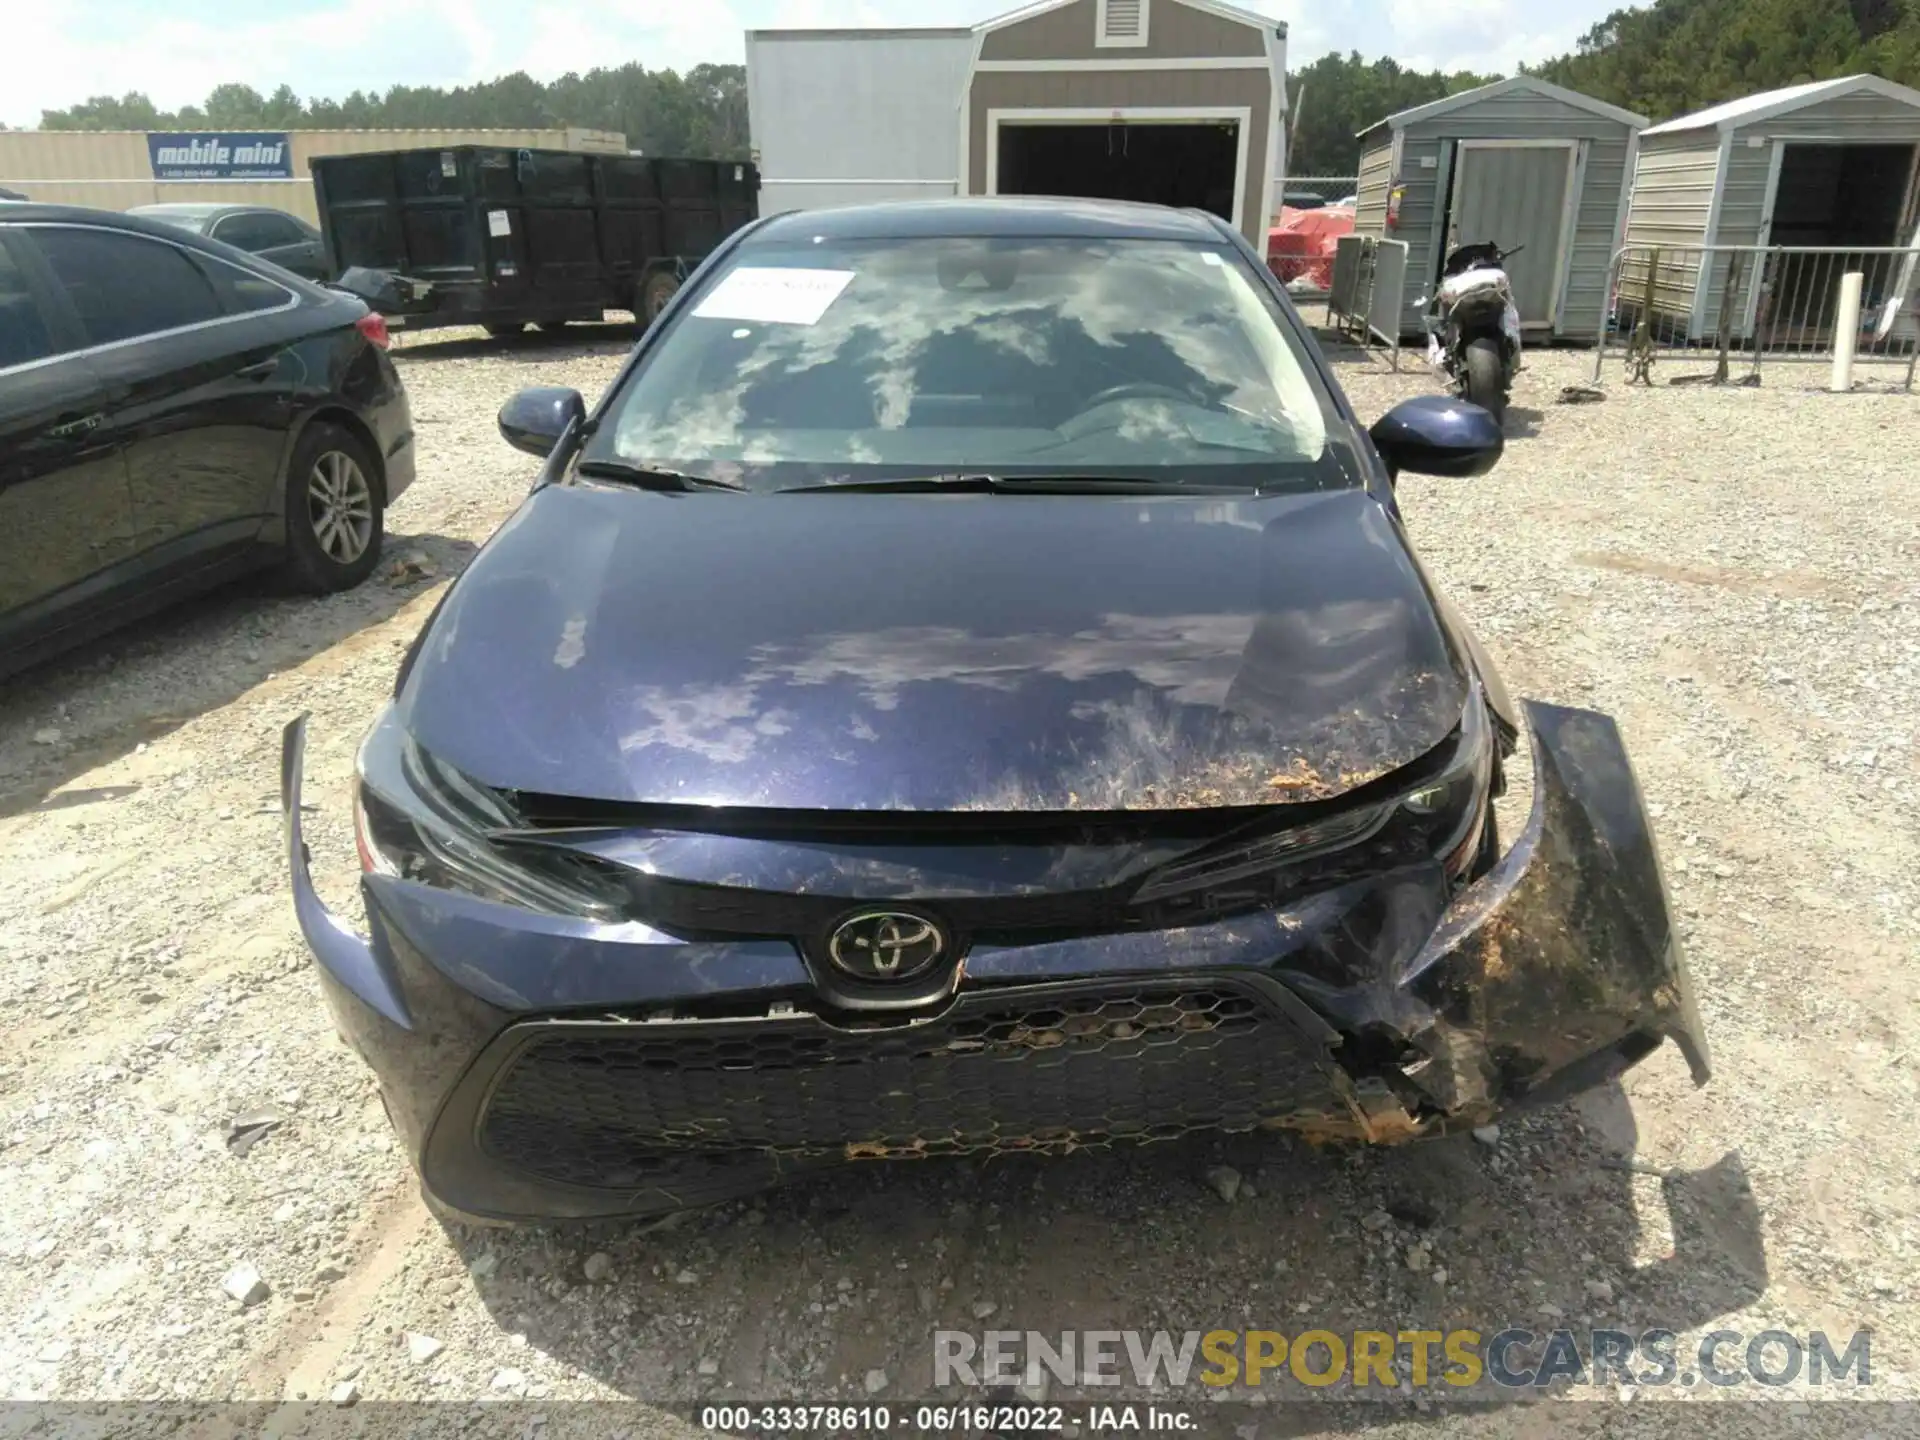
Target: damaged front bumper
(1556,971)
(542,1066)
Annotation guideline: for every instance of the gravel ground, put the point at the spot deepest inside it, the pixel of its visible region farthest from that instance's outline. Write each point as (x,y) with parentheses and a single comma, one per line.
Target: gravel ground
(1733,575)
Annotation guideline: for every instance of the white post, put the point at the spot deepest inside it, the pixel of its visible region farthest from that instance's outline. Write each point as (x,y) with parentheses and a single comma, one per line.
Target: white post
(1846,332)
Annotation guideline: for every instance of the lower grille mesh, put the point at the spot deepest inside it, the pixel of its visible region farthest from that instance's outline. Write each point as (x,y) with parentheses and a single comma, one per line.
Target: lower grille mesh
(627,1105)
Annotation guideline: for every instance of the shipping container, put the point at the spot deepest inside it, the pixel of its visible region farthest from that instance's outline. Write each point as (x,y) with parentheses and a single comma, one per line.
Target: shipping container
(501,237)
(114,169)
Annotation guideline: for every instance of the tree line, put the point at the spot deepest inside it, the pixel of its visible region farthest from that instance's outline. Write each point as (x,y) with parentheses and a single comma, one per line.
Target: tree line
(1678,56)
(700,113)
(1337,96)
(1661,60)
(662,112)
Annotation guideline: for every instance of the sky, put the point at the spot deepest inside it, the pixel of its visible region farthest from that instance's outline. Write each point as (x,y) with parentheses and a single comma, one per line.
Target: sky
(177,50)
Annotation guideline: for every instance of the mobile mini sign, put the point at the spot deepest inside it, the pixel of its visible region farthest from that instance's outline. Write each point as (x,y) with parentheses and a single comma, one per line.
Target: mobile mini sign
(222,155)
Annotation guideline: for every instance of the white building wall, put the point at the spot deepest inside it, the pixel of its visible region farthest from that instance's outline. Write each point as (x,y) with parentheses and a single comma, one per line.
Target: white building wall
(844,117)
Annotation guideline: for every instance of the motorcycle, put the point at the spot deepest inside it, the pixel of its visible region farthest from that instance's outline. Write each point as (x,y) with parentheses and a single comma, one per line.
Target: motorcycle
(1474,339)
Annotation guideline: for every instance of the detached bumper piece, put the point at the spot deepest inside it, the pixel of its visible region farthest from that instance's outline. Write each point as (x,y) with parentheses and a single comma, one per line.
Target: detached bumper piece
(680,1107)
(1561,968)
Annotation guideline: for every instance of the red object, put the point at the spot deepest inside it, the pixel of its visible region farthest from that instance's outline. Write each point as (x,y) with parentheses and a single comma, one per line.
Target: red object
(373,325)
(1302,243)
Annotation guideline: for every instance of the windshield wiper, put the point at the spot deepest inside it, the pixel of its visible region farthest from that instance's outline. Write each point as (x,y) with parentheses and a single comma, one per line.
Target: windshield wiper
(651,477)
(984,482)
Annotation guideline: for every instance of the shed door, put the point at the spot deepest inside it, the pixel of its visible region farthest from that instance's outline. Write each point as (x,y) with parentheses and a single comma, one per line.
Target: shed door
(1514,195)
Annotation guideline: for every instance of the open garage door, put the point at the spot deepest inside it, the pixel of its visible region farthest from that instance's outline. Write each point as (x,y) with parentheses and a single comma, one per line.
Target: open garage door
(1186,163)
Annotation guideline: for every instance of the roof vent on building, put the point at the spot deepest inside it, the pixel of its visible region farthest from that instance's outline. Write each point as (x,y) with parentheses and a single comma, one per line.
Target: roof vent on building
(1121,22)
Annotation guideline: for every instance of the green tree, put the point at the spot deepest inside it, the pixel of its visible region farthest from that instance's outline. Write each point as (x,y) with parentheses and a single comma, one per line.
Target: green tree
(132,111)
(1677,56)
(235,107)
(1337,96)
(702,113)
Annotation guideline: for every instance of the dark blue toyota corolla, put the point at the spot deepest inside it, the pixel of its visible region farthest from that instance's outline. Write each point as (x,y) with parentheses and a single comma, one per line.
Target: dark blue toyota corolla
(966,688)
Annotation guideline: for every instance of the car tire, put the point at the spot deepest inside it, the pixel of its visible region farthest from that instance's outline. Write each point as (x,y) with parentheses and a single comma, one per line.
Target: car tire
(335,509)
(501,332)
(655,292)
(1486,380)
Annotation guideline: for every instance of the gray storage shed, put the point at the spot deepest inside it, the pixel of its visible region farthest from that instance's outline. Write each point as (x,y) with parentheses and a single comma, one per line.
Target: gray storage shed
(1178,102)
(1521,162)
(1831,163)
(1175,101)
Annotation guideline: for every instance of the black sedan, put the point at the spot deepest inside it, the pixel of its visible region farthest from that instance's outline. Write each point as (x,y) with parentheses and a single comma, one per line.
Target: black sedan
(173,414)
(967,689)
(286,240)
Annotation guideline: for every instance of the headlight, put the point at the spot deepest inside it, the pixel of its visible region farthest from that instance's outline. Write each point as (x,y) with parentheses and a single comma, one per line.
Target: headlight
(419,819)
(1442,818)
(1266,854)
(1451,810)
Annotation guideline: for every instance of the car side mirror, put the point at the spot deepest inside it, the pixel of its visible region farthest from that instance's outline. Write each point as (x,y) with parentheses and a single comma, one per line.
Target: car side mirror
(534,419)
(1437,435)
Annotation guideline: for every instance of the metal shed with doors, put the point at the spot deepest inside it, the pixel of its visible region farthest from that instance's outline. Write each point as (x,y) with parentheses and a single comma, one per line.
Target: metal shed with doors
(1180,102)
(1521,162)
(1175,101)
(1833,163)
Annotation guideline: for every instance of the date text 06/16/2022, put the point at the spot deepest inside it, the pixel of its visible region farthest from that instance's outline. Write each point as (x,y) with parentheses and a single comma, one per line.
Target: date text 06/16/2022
(960,1419)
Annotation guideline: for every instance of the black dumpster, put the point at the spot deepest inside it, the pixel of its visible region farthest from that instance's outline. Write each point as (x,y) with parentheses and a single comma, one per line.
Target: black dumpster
(500,237)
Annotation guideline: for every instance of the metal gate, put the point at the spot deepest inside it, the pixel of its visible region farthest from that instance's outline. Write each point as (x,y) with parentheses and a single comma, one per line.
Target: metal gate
(1517,193)
(1720,313)
(1369,286)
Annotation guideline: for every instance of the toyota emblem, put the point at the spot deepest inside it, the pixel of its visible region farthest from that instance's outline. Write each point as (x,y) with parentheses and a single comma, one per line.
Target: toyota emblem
(886,945)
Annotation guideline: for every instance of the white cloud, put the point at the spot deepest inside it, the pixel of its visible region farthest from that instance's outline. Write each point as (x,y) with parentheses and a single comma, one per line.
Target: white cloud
(1491,36)
(176,52)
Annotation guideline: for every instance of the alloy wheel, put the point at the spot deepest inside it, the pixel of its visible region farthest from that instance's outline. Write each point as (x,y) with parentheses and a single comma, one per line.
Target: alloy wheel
(340,507)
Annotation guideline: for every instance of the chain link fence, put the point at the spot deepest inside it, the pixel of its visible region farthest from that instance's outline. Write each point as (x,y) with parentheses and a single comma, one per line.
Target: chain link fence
(1740,308)
(1330,188)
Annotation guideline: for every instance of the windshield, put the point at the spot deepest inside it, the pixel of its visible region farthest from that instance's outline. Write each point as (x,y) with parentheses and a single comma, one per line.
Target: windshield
(855,360)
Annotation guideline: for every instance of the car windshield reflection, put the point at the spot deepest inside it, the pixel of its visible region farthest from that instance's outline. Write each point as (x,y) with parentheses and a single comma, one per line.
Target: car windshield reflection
(860,360)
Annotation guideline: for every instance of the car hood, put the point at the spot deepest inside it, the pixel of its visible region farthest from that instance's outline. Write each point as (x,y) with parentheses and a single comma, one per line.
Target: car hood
(931,652)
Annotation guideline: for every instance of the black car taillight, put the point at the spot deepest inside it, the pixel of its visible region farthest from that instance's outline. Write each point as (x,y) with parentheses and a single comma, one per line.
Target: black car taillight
(373,325)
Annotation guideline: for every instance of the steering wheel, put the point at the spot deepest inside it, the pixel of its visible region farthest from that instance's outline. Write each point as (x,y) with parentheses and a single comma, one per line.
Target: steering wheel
(1137,390)
(1091,422)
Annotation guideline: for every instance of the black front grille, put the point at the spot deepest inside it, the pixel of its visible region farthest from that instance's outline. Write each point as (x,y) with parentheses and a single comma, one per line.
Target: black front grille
(676,1104)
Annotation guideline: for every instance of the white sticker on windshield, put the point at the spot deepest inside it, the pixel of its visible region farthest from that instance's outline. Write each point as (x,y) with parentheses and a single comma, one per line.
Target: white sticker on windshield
(774,295)
(499,223)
